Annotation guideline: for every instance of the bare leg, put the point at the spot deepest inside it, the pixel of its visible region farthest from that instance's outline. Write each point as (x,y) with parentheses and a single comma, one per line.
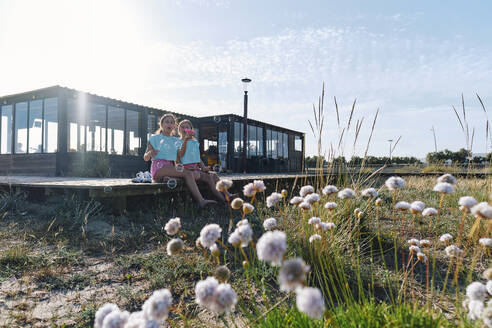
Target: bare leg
(170,171)
(207,178)
(216,178)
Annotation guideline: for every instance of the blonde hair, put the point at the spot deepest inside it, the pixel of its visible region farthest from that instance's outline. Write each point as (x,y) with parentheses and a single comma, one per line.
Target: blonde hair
(181,123)
(161,120)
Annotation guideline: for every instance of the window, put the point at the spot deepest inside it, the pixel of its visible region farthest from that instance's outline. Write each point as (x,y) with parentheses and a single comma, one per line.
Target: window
(6,130)
(297,143)
(259,138)
(269,143)
(35,126)
(132,132)
(76,121)
(20,121)
(116,128)
(96,127)
(274,144)
(151,125)
(50,125)
(251,150)
(238,139)
(286,145)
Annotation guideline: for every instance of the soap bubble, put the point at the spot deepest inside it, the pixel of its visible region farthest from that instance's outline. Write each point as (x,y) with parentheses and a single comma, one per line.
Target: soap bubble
(108,189)
(172,183)
(216,168)
(179,167)
(217,119)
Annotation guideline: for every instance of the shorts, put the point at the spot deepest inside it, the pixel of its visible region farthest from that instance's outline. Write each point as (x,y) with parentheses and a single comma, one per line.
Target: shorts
(192,166)
(158,164)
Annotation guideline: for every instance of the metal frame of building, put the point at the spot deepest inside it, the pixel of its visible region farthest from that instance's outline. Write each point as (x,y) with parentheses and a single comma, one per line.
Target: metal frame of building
(65,159)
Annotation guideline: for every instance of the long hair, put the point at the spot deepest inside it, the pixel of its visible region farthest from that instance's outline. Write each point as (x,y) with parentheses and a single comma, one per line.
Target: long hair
(161,121)
(181,123)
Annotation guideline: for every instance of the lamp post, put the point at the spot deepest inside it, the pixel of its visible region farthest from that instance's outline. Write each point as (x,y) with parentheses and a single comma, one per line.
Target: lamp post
(245,122)
(390,141)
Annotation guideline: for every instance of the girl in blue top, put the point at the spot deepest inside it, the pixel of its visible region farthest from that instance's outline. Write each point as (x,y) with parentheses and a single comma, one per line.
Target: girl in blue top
(189,156)
(163,150)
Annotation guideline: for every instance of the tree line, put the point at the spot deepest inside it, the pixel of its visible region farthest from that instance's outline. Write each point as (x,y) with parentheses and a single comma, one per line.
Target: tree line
(445,156)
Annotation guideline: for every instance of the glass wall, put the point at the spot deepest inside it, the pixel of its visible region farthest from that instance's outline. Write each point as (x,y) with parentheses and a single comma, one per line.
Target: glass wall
(286,145)
(251,150)
(6,130)
(50,125)
(269,143)
(238,139)
(280,145)
(132,132)
(96,127)
(76,121)
(151,125)
(259,139)
(116,128)
(274,144)
(35,126)
(20,129)
(297,143)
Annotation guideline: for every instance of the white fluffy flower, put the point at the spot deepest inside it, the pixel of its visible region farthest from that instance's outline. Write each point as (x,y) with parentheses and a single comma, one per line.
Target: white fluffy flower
(414,249)
(116,319)
(369,192)
(486,242)
(476,291)
(488,286)
(422,257)
(475,310)
(305,206)
(467,201)
(223,185)
(270,224)
(482,210)
(425,243)
(245,234)
(172,226)
(271,247)
(394,183)
(259,185)
(273,199)
(209,234)
(224,300)
(487,316)
(330,205)
(314,220)
(248,208)
(174,246)
(310,301)
(312,198)
(346,193)
(156,307)
(446,238)
(417,206)
(327,226)
(314,238)
(292,274)
(249,190)
(306,190)
(414,242)
(205,291)
(453,251)
(447,178)
(429,211)
(102,312)
(444,188)
(402,206)
(328,190)
(234,239)
(296,200)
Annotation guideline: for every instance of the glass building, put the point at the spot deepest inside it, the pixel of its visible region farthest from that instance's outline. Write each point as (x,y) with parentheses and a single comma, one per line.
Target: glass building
(52,131)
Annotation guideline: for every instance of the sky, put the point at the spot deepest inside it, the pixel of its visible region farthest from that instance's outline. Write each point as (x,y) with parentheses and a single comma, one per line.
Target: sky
(412,60)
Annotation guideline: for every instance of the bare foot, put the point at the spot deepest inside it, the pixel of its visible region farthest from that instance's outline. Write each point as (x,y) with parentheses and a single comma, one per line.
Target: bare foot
(207,202)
